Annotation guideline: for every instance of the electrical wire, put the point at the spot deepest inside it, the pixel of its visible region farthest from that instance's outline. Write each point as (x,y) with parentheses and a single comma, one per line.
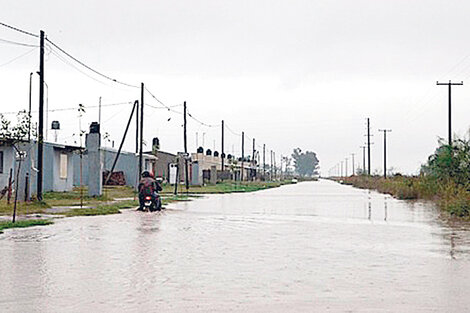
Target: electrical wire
(17,43)
(168,108)
(232,131)
(18,57)
(18,30)
(90,68)
(202,123)
(75,108)
(66,62)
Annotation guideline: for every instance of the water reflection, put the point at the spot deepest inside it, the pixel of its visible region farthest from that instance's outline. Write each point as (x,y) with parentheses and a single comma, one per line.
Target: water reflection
(385,209)
(305,247)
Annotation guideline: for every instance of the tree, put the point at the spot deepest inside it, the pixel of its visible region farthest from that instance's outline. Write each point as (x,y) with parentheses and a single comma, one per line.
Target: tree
(306,163)
(450,163)
(14,135)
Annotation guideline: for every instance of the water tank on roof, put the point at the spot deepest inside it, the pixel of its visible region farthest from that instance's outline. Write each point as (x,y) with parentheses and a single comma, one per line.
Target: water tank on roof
(55,125)
(94,128)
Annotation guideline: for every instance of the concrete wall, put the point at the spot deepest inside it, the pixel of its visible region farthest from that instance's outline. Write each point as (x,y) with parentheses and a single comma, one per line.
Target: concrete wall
(58,183)
(51,170)
(8,163)
(162,167)
(128,163)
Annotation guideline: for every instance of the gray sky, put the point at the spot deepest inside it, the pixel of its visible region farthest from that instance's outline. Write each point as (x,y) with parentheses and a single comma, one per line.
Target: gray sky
(289,73)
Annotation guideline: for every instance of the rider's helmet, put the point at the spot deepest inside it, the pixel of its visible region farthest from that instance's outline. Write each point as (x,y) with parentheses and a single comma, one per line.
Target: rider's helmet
(145,174)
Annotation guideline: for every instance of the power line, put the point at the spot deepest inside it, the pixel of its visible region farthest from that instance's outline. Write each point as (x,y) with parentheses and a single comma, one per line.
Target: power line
(202,123)
(168,108)
(90,68)
(232,131)
(74,108)
(19,30)
(62,59)
(17,43)
(18,57)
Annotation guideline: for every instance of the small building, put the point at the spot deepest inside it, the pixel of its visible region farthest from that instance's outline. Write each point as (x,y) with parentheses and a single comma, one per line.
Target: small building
(58,173)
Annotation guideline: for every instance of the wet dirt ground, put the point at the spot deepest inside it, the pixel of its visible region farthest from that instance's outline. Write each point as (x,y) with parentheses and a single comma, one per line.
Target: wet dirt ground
(309,247)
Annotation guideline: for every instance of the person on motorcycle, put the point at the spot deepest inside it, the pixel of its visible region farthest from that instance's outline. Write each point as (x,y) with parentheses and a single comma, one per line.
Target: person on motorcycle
(148,187)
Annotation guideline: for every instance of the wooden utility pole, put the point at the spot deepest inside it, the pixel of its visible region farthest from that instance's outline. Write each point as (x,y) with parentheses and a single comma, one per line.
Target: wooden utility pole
(272,170)
(450,84)
(223,154)
(29,107)
(385,131)
(186,176)
(253,161)
(368,146)
(353,168)
(264,161)
(41,117)
(243,154)
(137,131)
(141,143)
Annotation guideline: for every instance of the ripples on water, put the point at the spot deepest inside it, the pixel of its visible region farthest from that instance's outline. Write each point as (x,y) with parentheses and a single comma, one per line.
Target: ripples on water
(308,247)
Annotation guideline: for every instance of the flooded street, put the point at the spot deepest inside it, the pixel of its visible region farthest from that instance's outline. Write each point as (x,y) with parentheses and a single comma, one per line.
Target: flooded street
(310,247)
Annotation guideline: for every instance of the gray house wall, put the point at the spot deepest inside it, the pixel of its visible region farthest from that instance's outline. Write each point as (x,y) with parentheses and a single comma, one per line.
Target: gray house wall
(51,170)
(8,163)
(128,163)
(58,183)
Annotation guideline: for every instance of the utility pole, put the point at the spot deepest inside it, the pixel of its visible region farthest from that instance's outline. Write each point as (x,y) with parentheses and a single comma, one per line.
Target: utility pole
(363,159)
(41,117)
(272,170)
(385,131)
(264,161)
(253,162)
(368,146)
(137,131)
(99,111)
(450,84)
(274,163)
(141,129)
(186,179)
(243,153)
(353,168)
(29,108)
(222,153)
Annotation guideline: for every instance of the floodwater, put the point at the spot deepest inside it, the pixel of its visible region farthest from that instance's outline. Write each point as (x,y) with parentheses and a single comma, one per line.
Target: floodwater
(310,247)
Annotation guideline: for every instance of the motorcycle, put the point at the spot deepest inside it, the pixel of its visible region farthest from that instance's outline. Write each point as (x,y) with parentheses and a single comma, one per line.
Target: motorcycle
(152,206)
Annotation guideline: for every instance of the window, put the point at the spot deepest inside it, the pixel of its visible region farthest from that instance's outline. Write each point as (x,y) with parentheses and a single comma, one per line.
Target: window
(63,166)
(1,162)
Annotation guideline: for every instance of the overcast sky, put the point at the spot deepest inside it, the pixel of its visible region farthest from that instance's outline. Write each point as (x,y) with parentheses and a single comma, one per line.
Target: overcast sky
(289,73)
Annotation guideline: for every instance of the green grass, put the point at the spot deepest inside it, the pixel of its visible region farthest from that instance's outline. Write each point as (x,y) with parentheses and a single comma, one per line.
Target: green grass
(22,207)
(23,223)
(104,209)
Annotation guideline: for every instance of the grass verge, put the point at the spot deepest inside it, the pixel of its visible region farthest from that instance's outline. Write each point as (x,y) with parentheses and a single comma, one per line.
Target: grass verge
(104,209)
(23,223)
(451,197)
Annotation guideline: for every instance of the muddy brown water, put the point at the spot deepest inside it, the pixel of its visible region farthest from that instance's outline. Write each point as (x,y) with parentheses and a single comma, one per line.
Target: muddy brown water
(310,247)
